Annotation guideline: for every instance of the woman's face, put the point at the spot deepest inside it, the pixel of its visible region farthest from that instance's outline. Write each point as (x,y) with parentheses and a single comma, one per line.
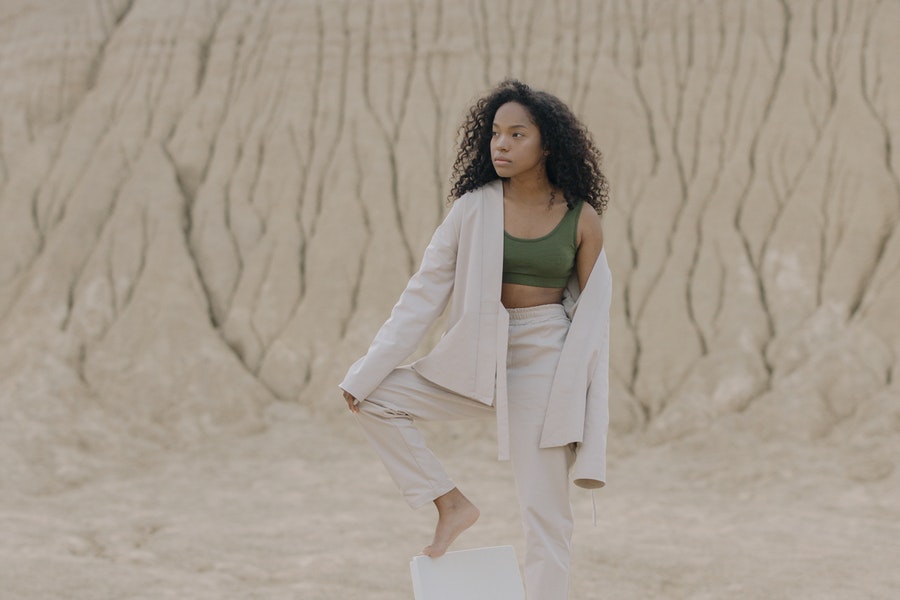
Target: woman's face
(516,147)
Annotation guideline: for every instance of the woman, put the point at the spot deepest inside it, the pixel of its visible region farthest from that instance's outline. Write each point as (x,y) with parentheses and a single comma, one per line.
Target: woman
(513,255)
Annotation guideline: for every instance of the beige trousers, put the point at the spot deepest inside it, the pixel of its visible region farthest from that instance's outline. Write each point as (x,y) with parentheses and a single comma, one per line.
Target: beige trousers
(388,416)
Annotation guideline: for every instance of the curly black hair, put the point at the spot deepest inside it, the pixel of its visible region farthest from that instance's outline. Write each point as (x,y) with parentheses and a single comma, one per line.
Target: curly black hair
(573,162)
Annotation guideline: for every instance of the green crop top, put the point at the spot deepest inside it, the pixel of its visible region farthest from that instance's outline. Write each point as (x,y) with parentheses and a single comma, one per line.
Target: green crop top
(546,261)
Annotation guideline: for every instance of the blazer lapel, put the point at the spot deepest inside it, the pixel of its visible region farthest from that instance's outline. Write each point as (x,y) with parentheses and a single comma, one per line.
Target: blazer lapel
(491,285)
(492,266)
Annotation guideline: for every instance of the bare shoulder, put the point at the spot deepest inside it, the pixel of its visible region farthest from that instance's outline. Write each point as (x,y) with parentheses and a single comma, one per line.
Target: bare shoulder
(590,228)
(590,243)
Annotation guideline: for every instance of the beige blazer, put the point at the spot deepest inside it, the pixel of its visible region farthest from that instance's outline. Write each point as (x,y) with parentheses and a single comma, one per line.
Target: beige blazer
(463,265)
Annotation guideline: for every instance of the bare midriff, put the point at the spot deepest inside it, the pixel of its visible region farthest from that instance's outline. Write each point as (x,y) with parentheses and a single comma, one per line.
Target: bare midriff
(516,295)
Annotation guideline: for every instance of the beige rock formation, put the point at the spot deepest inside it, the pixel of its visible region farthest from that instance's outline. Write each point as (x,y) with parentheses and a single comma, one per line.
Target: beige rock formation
(207,208)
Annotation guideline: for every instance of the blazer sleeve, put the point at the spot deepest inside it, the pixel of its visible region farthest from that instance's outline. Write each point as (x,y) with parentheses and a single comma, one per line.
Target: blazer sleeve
(421,303)
(589,469)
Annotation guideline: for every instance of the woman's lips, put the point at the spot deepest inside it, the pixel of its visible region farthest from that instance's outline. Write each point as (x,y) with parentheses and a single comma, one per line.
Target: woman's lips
(502,161)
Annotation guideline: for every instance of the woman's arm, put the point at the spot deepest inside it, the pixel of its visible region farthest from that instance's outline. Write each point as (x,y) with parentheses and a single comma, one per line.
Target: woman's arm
(421,303)
(590,243)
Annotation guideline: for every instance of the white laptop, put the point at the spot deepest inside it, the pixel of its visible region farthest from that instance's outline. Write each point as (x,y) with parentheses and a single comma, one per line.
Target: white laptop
(478,574)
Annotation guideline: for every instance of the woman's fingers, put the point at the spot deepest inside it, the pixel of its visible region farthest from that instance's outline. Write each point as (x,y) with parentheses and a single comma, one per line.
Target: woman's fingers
(351,402)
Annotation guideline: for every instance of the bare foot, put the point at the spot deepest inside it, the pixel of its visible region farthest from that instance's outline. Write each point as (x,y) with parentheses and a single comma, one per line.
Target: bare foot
(455,514)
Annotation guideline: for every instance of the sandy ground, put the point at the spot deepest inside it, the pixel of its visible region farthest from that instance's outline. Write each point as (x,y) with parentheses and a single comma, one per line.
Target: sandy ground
(304,510)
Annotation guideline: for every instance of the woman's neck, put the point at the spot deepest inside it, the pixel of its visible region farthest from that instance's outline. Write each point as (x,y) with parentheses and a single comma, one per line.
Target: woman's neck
(528,189)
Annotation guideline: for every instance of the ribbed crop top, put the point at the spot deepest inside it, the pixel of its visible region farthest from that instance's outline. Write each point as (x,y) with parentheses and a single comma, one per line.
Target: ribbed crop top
(545,261)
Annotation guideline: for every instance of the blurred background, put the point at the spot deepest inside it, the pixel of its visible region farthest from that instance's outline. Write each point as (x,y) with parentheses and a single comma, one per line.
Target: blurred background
(208,207)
